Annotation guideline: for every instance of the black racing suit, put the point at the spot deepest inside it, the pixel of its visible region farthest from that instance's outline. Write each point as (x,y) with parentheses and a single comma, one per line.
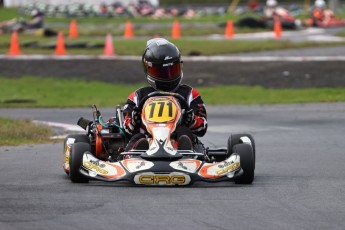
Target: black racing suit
(192,97)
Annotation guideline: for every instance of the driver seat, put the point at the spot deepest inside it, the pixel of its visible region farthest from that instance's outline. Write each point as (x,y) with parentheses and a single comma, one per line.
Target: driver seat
(184,143)
(141,144)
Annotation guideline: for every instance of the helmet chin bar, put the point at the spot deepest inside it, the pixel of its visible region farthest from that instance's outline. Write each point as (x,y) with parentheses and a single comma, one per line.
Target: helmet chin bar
(152,83)
(178,83)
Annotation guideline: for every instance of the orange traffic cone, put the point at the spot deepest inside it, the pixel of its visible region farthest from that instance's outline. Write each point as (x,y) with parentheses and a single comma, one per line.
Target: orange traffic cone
(175,31)
(128,30)
(14,46)
(277,29)
(229,30)
(73,30)
(108,46)
(60,45)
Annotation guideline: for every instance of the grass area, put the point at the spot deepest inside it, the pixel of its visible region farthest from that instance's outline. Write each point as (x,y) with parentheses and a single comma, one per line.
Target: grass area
(147,29)
(50,92)
(10,13)
(136,46)
(18,132)
(143,26)
(260,95)
(115,20)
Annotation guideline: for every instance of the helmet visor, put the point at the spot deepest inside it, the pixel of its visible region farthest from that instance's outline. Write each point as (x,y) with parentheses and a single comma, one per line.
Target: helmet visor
(167,71)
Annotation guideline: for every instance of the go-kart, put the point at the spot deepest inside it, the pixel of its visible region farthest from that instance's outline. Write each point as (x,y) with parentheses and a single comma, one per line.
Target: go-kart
(100,153)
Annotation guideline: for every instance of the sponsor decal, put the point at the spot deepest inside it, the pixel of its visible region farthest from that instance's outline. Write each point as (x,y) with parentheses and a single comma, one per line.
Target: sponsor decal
(67,159)
(136,165)
(141,165)
(67,155)
(162,179)
(180,164)
(186,165)
(170,149)
(168,64)
(105,131)
(94,166)
(216,170)
(96,162)
(229,168)
(226,163)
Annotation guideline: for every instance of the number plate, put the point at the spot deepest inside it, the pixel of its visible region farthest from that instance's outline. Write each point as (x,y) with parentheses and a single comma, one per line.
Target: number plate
(160,110)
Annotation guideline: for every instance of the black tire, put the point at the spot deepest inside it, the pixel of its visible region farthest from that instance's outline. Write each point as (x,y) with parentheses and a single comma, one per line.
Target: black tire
(235,139)
(245,152)
(78,138)
(75,161)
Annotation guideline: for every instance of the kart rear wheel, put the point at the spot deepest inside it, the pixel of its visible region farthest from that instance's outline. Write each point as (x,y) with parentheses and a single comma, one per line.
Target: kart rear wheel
(78,138)
(235,139)
(75,161)
(245,152)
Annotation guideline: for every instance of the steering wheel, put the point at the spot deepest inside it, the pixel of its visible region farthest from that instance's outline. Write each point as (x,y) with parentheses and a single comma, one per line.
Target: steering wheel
(183,103)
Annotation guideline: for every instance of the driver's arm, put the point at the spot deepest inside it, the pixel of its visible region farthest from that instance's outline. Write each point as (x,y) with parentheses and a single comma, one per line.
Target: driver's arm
(199,127)
(130,128)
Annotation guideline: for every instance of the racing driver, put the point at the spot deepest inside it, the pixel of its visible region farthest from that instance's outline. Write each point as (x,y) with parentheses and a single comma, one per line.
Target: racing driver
(162,65)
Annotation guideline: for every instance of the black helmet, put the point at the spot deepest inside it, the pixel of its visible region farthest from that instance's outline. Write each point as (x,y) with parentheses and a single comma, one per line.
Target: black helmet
(162,64)
(35,13)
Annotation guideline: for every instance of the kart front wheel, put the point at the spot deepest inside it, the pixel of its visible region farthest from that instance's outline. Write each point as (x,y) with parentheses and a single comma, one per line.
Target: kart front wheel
(77,138)
(235,139)
(75,161)
(245,152)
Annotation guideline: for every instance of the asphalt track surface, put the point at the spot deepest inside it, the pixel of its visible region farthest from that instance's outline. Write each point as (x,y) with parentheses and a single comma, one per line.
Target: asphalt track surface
(299,178)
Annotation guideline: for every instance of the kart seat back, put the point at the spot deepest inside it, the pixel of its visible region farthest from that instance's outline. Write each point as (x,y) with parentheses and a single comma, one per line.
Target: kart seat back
(184,143)
(141,144)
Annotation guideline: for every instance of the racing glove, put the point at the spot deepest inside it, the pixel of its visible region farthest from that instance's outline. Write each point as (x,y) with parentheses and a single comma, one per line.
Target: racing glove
(189,118)
(136,117)
(132,122)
